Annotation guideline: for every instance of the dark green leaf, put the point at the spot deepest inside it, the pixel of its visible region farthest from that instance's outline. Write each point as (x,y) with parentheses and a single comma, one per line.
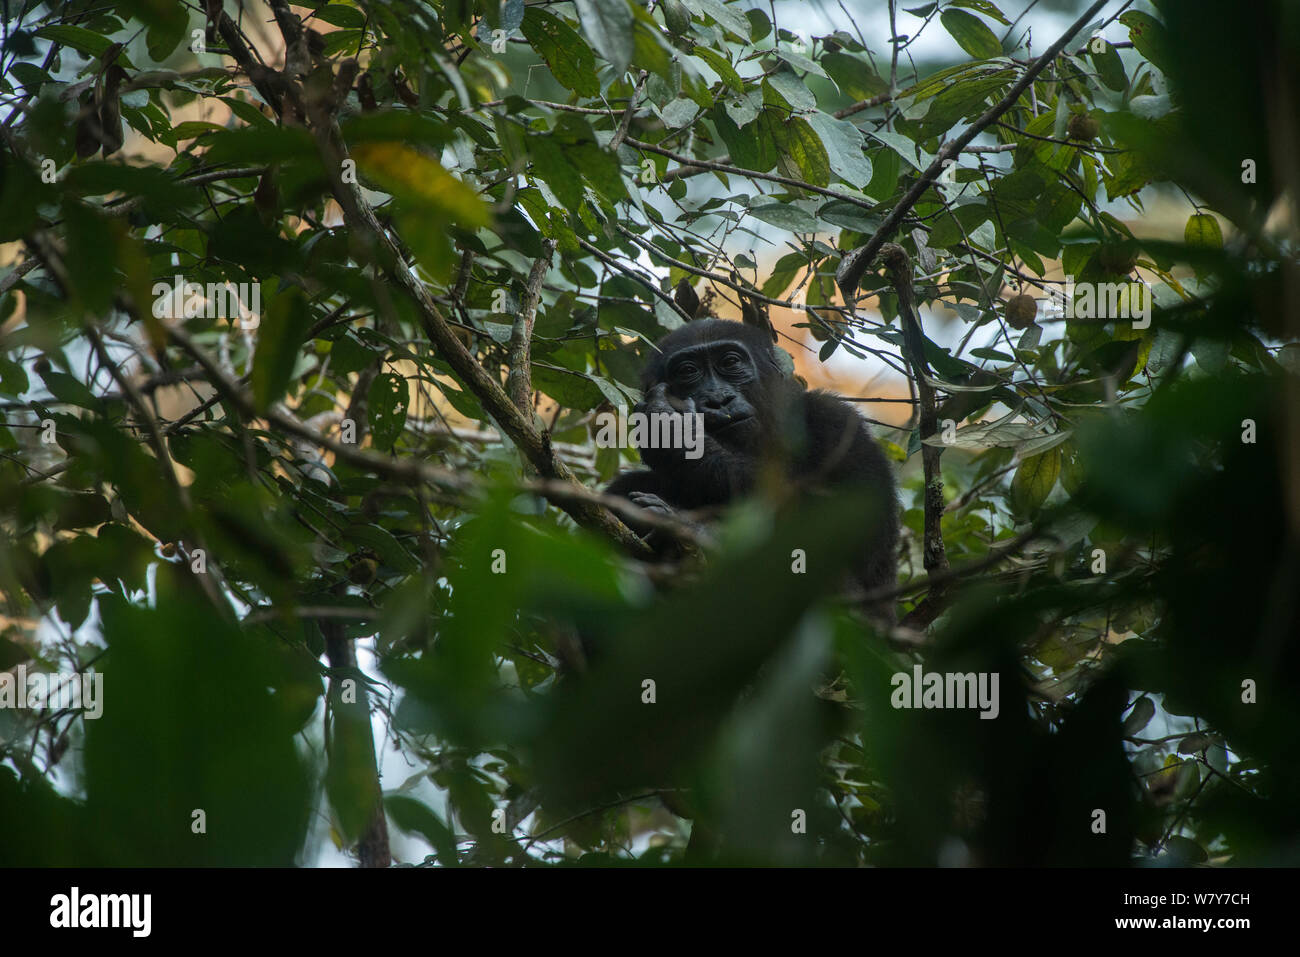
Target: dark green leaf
(971,33)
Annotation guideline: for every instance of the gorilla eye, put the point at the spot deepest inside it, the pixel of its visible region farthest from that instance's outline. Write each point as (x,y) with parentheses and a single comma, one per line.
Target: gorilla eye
(685,370)
(730,362)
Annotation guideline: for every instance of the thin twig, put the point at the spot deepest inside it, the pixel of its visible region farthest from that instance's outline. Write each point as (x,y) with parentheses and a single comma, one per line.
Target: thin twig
(519,380)
(855,265)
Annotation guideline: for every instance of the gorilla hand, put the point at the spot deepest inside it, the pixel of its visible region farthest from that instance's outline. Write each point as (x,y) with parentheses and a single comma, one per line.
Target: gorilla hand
(660,407)
(660,400)
(651,503)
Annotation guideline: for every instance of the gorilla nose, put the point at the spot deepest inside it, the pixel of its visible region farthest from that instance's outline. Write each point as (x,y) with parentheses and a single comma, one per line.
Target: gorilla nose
(716,403)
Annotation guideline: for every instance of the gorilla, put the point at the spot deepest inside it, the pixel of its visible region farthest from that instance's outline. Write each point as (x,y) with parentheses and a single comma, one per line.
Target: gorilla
(756,419)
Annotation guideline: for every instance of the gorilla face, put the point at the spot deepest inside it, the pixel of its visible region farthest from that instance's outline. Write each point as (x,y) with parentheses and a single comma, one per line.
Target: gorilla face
(720,370)
(713,377)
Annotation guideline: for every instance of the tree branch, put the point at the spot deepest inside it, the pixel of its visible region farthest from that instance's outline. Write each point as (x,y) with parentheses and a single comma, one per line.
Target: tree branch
(934,554)
(211,587)
(364,225)
(411,472)
(856,263)
(519,380)
(748,173)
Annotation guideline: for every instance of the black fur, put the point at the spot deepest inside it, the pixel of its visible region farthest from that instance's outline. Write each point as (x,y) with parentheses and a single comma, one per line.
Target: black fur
(756,417)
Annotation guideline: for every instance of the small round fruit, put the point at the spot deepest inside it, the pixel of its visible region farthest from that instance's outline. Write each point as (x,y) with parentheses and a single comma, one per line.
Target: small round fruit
(1083,127)
(364,571)
(1022,310)
(677,18)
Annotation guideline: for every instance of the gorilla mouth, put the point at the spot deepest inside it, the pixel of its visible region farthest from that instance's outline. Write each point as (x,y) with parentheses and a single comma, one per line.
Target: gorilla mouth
(725,424)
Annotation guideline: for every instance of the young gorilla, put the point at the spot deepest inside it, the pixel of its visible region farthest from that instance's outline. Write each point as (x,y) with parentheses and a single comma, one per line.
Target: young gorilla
(756,416)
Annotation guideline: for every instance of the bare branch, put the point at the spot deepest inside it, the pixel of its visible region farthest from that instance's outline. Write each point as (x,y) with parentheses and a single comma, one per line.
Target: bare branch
(566,493)
(748,173)
(856,263)
(934,554)
(519,380)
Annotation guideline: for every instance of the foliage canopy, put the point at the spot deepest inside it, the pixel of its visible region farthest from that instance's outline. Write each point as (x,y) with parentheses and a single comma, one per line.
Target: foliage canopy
(463,222)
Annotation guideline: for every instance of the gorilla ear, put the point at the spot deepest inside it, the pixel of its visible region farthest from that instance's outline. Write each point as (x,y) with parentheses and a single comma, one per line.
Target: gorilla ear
(685,297)
(754,313)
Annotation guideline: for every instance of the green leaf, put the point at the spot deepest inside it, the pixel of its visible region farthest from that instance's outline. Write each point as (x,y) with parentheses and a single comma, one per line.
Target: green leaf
(30,76)
(786,216)
(1203,230)
(420,180)
(678,113)
(650,51)
(741,110)
(792,91)
(341,16)
(1140,716)
(854,76)
(260,145)
(848,215)
(552,166)
(844,148)
(971,33)
(983,6)
(67,388)
(886,167)
(391,552)
(573,390)
(176,736)
(350,777)
(388,398)
(1109,66)
(249,113)
(154,185)
(415,817)
(166,35)
(92,242)
(188,130)
(801,146)
(910,152)
(953,227)
(608,26)
(721,66)
(1034,480)
(279,338)
(1149,37)
(79,38)
(336,41)
(728,17)
(600,168)
(783,273)
(568,56)
(800,62)
(13,378)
